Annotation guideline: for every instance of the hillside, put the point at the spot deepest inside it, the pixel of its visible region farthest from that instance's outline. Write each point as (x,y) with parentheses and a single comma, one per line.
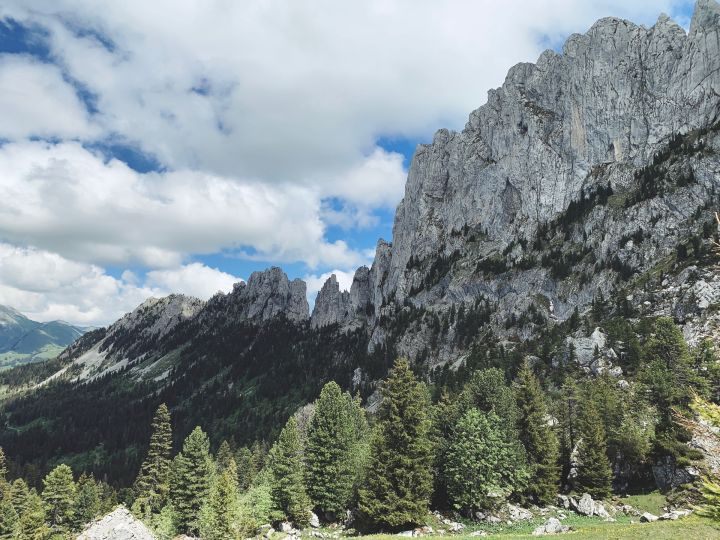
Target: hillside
(575,206)
(24,341)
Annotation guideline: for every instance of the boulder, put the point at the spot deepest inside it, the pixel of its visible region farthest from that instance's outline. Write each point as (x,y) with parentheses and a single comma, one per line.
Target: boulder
(585,505)
(647,517)
(314,520)
(517,513)
(551,526)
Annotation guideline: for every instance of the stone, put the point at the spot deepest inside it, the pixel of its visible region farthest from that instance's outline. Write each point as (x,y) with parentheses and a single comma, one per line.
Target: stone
(286,527)
(314,520)
(585,505)
(406,533)
(478,533)
(517,513)
(117,525)
(647,517)
(551,526)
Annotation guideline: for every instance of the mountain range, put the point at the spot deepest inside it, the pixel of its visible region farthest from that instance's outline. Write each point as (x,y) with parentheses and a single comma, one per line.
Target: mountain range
(23,340)
(585,185)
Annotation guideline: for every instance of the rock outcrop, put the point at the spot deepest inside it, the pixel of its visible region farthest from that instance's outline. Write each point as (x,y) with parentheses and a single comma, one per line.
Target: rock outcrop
(332,306)
(270,293)
(117,525)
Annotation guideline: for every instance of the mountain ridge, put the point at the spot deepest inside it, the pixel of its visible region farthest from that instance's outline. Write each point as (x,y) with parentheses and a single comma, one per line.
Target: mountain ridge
(586,180)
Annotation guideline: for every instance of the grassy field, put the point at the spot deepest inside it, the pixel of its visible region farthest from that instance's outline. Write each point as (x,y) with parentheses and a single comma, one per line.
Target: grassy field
(690,528)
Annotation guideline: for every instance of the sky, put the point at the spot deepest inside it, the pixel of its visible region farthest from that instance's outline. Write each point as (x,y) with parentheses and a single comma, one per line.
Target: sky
(178,146)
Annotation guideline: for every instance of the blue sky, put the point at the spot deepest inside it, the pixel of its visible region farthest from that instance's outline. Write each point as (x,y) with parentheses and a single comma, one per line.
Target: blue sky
(147,149)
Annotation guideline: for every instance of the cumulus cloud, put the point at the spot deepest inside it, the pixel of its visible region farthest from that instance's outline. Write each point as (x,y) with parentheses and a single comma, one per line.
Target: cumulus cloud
(36,101)
(64,198)
(46,286)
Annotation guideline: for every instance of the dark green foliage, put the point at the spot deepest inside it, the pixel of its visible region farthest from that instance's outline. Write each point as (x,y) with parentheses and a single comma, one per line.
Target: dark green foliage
(222,505)
(191,474)
(9,520)
(153,483)
(538,438)
(594,470)
(399,481)
(58,498)
(87,502)
(334,450)
(286,469)
(225,457)
(480,467)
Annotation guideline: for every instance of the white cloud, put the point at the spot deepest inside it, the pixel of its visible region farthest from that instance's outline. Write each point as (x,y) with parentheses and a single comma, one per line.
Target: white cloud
(65,199)
(194,279)
(36,101)
(46,286)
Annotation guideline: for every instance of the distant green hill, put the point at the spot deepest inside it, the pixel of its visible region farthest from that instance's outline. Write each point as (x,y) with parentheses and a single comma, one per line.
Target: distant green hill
(23,340)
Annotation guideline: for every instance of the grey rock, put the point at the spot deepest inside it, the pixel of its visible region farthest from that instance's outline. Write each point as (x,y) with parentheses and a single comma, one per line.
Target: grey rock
(332,306)
(647,517)
(314,520)
(551,526)
(117,525)
(585,505)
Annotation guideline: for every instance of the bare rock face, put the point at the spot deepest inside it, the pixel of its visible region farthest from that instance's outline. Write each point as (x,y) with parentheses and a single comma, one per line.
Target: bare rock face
(332,306)
(117,525)
(270,293)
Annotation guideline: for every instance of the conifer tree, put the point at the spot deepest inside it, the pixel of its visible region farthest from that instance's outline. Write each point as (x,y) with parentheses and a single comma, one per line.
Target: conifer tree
(224,456)
(192,474)
(153,482)
(32,524)
(480,467)
(594,474)
(9,520)
(4,486)
(87,502)
(538,438)
(399,481)
(222,506)
(19,493)
(287,483)
(332,450)
(246,468)
(58,497)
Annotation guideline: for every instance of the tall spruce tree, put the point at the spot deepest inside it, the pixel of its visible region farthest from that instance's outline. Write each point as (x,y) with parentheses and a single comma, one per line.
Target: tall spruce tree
(334,436)
(399,481)
(287,475)
(87,501)
(224,457)
(192,475)
(32,524)
(58,498)
(480,466)
(222,506)
(538,438)
(153,483)
(4,485)
(9,520)
(19,493)
(594,474)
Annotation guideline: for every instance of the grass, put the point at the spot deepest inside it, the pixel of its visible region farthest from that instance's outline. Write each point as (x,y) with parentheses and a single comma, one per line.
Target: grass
(692,527)
(653,502)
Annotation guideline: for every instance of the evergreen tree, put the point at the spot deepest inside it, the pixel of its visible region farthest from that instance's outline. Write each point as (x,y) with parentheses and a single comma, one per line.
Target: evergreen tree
(246,468)
(153,482)
(32,521)
(87,502)
(594,474)
(19,494)
(538,438)
(58,497)
(480,466)
(224,457)
(287,482)
(332,450)
(9,520)
(4,486)
(222,507)
(191,475)
(399,481)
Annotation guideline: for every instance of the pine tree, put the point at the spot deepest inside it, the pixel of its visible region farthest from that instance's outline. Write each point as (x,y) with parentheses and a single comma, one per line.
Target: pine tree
(538,438)
(480,467)
(594,474)
(222,506)
(19,493)
(224,456)
(9,520)
(332,448)
(192,474)
(32,524)
(399,481)
(87,502)
(246,468)
(58,497)
(4,485)
(153,482)
(286,468)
